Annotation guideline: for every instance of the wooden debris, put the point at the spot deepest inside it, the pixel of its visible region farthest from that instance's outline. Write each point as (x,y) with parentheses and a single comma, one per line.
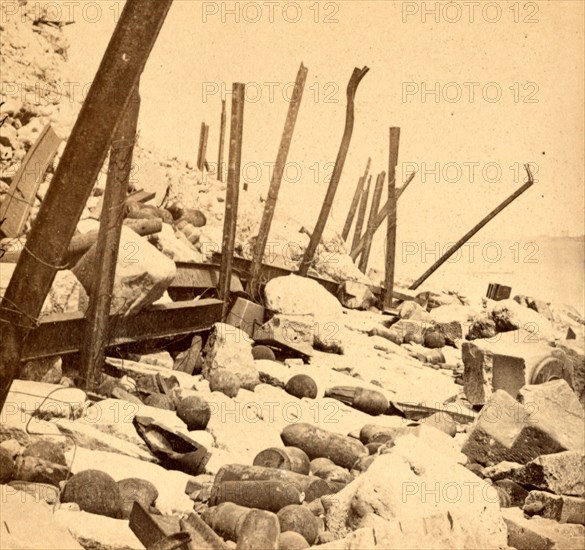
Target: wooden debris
(391,232)
(354,203)
(201,155)
(221,142)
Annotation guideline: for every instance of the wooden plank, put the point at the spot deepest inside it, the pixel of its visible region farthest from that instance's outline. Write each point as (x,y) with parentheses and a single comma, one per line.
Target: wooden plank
(63,334)
(15,209)
(221,142)
(359,224)
(276,180)
(391,232)
(354,203)
(352,86)
(370,230)
(108,243)
(203,137)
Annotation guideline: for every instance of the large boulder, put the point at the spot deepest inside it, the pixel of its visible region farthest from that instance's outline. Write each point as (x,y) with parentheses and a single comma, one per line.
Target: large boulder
(510,315)
(230,348)
(437,503)
(143,274)
(575,351)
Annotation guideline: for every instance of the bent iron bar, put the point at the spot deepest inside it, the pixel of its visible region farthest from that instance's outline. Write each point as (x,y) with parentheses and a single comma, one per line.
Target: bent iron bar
(129,48)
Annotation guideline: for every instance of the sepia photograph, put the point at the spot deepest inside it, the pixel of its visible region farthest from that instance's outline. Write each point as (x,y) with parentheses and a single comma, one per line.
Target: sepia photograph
(285,275)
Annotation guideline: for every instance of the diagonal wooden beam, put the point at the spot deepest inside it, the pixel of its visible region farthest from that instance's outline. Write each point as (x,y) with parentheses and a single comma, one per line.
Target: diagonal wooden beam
(363,265)
(354,203)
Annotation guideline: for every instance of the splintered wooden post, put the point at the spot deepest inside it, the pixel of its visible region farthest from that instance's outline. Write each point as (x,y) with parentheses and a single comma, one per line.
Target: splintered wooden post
(204,134)
(269,207)
(108,243)
(359,224)
(221,142)
(474,230)
(380,217)
(363,265)
(352,87)
(391,233)
(129,48)
(354,203)
(232,194)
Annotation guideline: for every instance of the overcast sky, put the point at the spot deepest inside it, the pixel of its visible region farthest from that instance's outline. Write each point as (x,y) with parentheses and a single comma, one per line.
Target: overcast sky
(503,82)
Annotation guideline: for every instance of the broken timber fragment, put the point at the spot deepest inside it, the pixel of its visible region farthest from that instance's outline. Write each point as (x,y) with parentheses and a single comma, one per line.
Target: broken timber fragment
(370,228)
(276,180)
(354,203)
(363,207)
(203,136)
(357,76)
(124,60)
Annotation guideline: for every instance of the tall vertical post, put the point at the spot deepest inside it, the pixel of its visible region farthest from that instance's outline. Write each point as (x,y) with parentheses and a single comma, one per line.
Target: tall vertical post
(354,203)
(370,229)
(391,233)
(359,224)
(352,87)
(269,207)
(108,243)
(221,142)
(232,194)
(203,136)
(123,62)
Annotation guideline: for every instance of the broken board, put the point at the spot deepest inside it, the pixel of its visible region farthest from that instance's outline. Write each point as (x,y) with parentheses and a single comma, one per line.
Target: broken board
(15,209)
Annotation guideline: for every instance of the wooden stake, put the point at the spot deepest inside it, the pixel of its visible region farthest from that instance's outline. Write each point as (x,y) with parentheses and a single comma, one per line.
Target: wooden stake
(380,217)
(269,207)
(201,157)
(391,233)
(352,86)
(354,203)
(359,224)
(129,48)
(108,243)
(363,265)
(473,231)
(232,194)
(221,142)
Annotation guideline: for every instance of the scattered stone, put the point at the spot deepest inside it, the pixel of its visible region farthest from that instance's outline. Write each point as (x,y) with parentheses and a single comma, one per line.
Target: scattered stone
(194,411)
(508,315)
(355,295)
(508,363)
(413,311)
(159,401)
(47,450)
(263,352)
(289,540)
(301,386)
(12,446)
(30,468)
(539,533)
(230,348)
(451,331)
(190,361)
(562,508)
(48,370)
(510,493)
(7,466)
(482,327)
(143,274)
(299,519)
(225,382)
(133,490)
(441,421)
(434,340)
(95,492)
(575,351)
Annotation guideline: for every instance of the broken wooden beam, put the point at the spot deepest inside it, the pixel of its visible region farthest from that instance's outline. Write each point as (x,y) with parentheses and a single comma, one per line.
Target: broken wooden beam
(391,232)
(108,243)
(354,202)
(474,230)
(123,62)
(232,193)
(203,137)
(221,142)
(270,205)
(63,333)
(359,224)
(356,78)
(380,217)
(19,200)
(370,229)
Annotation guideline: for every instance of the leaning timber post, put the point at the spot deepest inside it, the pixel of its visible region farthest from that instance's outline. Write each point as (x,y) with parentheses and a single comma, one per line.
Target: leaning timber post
(221,142)
(359,224)
(365,258)
(380,217)
(391,232)
(354,203)
(108,243)
(352,87)
(204,163)
(269,207)
(232,195)
(200,153)
(129,48)
(474,230)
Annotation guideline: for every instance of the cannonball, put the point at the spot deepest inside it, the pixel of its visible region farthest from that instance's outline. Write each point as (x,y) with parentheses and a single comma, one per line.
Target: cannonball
(263,352)
(6,465)
(133,490)
(301,386)
(95,492)
(225,382)
(47,450)
(289,540)
(299,519)
(194,412)
(159,401)
(434,340)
